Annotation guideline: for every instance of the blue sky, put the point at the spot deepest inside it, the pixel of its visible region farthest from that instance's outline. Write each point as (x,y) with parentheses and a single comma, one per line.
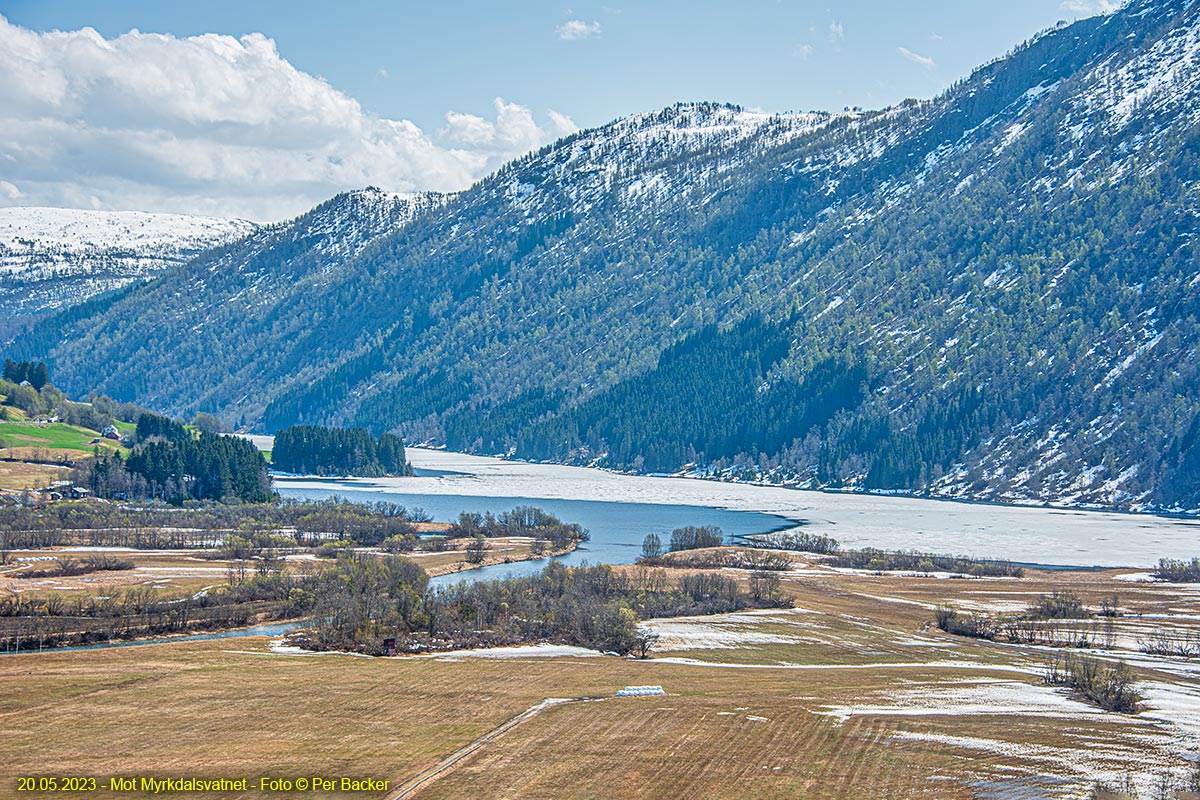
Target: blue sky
(556,66)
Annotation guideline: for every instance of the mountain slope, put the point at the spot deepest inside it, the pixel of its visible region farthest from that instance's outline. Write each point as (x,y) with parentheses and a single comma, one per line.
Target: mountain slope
(989,294)
(54,257)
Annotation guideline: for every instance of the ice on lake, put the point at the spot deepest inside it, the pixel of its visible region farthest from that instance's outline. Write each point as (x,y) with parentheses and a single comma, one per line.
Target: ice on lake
(1024,534)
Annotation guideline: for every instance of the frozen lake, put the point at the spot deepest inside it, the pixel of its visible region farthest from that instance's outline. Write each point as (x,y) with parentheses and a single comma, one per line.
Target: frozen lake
(621,509)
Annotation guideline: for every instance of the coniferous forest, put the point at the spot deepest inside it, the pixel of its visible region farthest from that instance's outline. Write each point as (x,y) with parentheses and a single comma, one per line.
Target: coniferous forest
(313,450)
(200,466)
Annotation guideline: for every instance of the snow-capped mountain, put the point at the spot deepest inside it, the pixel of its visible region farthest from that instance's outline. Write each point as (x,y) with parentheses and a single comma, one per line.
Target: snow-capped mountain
(54,257)
(992,294)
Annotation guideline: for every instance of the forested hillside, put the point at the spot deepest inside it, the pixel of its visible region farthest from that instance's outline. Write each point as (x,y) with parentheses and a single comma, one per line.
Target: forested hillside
(989,294)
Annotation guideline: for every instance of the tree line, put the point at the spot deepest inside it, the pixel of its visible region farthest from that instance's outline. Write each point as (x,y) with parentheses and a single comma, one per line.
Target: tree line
(66,619)
(315,450)
(41,398)
(26,371)
(205,466)
(361,602)
(520,521)
(205,525)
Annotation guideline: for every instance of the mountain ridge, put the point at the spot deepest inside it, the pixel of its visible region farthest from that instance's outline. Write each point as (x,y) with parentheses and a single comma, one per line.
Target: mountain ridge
(55,257)
(990,294)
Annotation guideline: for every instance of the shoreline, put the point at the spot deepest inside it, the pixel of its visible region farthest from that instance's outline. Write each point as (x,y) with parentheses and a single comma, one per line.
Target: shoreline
(1187,515)
(1028,534)
(499,559)
(1048,505)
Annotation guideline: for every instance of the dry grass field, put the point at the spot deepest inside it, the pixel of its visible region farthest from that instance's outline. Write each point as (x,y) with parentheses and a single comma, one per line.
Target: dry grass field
(851,694)
(183,571)
(174,572)
(501,550)
(18,475)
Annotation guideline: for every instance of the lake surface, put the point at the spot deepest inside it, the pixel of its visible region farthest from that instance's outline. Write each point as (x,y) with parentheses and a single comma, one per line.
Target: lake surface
(616,529)
(620,510)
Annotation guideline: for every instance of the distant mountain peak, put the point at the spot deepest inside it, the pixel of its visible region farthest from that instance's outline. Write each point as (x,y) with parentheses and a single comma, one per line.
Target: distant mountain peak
(54,257)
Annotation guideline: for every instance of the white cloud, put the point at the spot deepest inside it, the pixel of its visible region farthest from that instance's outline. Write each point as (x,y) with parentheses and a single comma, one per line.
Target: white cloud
(382,73)
(1089,8)
(803,51)
(577,29)
(836,32)
(916,58)
(215,125)
(935,37)
(561,124)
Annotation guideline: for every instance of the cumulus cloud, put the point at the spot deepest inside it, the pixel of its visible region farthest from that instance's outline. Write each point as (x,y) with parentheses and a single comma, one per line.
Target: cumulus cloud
(917,58)
(803,51)
(577,29)
(216,125)
(1089,8)
(836,32)
(514,130)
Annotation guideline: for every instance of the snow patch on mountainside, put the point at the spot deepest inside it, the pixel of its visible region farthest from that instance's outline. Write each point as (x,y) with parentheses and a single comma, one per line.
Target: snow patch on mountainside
(335,231)
(654,147)
(1161,78)
(62,232)
(53,257)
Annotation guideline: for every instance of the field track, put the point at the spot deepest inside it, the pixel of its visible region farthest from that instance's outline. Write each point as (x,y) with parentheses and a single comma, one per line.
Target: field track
(446,764)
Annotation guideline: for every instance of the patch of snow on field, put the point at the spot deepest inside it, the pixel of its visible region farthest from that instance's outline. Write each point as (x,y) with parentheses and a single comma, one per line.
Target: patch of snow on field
(187,570)
(983,696)
(719,632)
(881,667)
(279,647)
(991,606)
(1107,763)
(700,636)
(903,573)
(1176,704)
(520,651)
(1136,577)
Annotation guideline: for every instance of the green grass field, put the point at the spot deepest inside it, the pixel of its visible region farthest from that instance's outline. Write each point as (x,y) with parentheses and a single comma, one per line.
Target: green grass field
(55,436)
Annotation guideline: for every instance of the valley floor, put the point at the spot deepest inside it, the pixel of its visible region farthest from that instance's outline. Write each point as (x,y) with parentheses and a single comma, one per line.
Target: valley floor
(852,693)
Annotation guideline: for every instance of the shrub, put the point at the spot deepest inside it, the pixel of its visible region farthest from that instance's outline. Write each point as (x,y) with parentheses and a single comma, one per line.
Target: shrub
(335,548)
(477,550)
(651,547)
(399,543)
(691,537)
(1108,685)
(1058,605)
(977,627)
(794,540)
(1178,571)
(880,560)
